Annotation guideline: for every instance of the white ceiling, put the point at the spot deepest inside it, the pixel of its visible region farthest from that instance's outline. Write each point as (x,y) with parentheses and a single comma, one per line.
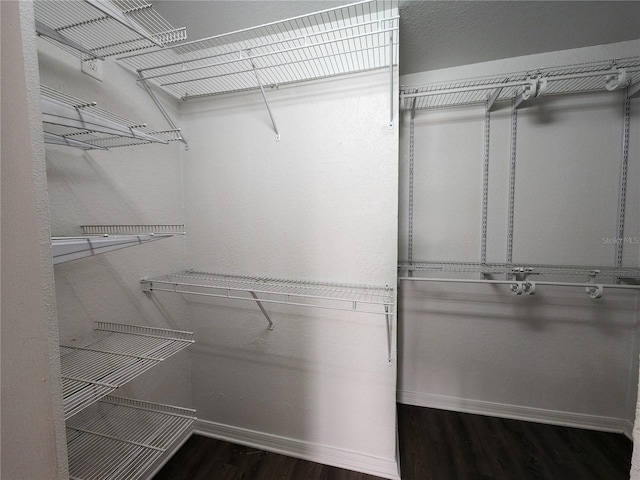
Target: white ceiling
(440,34)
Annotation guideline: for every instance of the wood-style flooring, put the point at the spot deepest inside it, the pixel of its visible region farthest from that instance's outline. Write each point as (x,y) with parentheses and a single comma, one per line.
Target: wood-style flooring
(434,445)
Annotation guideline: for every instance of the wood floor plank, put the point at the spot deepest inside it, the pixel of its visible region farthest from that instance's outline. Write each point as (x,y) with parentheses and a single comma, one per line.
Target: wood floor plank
(434,445)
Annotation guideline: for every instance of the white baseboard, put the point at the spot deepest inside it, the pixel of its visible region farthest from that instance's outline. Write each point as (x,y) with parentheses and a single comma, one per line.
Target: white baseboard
(517,412)
(381,467)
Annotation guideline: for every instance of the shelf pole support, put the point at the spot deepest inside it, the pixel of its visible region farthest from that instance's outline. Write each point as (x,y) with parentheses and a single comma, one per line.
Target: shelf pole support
(512,180)
(411,177)
(391,79)
(485,176)
(266,102)
(622,185)
(264,312)
(161,108)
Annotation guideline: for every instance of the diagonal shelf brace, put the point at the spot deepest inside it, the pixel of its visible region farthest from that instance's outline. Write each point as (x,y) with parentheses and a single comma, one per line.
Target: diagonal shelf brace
(266,102)
(161,108)
(389,324)
(264,312)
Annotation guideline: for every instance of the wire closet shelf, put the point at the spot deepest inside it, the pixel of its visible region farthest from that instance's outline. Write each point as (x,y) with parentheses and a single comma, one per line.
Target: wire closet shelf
(95,29)
(571,79)
(112,357)
(77,123)
(354,38)
(334,296)
(121,438)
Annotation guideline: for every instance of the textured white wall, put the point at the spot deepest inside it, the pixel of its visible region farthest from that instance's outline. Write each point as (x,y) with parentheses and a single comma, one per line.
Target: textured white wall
(128,185)
(320,204)
(557,356)
(33,438)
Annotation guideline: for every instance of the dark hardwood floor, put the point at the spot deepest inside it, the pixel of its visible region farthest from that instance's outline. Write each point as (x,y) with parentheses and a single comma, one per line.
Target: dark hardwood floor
(434,445)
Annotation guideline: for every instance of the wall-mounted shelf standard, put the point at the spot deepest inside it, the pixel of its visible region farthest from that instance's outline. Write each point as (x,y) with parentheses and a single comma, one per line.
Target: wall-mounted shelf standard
(521,275)
(120,438)
(113,356)
(94,29)
(334,296)
(521,86)
(353,38)
(97,239)
(77,123)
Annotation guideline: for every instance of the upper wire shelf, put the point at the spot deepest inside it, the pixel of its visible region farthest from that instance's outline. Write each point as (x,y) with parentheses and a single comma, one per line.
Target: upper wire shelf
(93,29)
(115,355)
(77,123)
(353,38)
(580,78)
(335,296)
(121,438)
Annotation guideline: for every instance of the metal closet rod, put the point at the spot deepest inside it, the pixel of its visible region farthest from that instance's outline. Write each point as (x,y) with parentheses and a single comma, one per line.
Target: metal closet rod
(471,88)
(595,290)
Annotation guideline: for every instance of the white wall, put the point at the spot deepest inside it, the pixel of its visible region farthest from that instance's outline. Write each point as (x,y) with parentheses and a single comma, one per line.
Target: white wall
(33,439)
(321,205)
(127,185)
(557,356)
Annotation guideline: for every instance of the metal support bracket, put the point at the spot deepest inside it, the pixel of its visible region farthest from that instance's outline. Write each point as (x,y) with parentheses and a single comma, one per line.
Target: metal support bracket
(633,90)
(411,177)
(264,312)
(622,185)
(266,102)
(167,117)
(512,181)
(391,78)
(388,317)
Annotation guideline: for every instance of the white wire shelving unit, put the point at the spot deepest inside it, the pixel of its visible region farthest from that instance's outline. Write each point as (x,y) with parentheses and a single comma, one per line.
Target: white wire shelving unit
(353,38)
(95,29)
(368,299)
(571,79)
(77,123)
(113,356)
(120,439)
(97,239)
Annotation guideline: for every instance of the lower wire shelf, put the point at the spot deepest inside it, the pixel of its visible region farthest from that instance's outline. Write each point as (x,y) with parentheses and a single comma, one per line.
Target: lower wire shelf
(120,438)
(113,356)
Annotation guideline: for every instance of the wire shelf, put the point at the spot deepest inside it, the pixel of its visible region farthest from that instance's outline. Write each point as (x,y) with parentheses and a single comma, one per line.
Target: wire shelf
(528,268)
(101,28)
(358,298)
(77,123)
(119,438)
(353,38)
(114,355)
(66,249)
(582,78)
(132,229)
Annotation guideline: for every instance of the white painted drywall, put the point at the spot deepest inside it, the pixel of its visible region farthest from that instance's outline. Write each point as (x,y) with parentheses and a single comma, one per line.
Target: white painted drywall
(33,438)
(320,205)
(557,356)
(128,185)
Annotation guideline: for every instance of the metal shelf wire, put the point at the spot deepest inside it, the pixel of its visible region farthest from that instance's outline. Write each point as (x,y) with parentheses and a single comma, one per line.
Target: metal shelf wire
(77,123)
(120,438)
(335,296)
(353,38)
(139,229)
(113,356)
(101,28)
(571,79)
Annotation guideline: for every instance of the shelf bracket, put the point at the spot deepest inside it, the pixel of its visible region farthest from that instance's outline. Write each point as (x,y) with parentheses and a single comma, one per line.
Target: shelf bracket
(512,181)
(391,78)
(264,312)
(161,108)
(388,317)
(266,102)
(633,90)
